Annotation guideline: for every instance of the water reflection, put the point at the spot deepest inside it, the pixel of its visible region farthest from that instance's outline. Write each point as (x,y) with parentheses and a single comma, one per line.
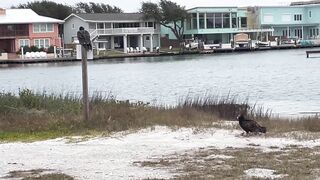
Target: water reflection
(284,80)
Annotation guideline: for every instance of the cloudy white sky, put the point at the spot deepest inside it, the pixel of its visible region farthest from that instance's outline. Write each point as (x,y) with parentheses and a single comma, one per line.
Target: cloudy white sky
(134,5)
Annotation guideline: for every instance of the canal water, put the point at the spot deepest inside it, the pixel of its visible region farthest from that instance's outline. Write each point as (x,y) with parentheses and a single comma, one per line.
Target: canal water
(282,80)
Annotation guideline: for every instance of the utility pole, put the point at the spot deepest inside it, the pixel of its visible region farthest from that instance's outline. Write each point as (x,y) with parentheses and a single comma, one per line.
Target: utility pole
(85,95)
(85,42)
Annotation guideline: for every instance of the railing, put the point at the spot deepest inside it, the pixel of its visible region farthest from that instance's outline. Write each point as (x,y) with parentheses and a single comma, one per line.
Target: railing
(256,29)
(121,31)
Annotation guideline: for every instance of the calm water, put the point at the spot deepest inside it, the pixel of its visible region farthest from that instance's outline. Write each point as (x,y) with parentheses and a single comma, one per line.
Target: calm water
(285,81)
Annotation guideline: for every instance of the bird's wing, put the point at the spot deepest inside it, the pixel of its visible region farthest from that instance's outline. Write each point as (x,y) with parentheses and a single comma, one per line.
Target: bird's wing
(80,37)
(87,37)
(250,125)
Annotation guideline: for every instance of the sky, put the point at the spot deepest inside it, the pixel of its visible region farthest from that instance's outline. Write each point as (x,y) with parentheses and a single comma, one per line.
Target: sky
(134,5)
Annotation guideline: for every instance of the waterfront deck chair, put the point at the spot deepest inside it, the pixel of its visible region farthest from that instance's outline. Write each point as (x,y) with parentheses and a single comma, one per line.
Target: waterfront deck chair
(28,55)
(144,49)
(32,54)
(137,49)
(37,54)
(43,54)
(131,50)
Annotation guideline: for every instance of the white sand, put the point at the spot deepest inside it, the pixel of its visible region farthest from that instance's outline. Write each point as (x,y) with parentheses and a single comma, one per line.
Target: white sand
(114,157)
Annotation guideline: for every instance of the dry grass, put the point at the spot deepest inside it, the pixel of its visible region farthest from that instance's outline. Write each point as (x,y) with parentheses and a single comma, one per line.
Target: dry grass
(37,174)
(294,163)
(33,116)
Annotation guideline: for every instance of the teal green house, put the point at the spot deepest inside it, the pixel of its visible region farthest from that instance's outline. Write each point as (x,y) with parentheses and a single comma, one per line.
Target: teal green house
(215,25)
(299,21)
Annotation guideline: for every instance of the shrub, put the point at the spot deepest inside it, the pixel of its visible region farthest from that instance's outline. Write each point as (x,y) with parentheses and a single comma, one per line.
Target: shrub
(34,48)
(25,49)
(50,49)
(2,51)
(41,49)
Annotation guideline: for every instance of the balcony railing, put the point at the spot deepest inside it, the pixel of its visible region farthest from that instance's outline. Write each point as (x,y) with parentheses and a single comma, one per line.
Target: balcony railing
(121,31)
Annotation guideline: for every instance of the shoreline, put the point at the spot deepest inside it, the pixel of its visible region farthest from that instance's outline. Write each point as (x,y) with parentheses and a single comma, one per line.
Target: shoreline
(215,51)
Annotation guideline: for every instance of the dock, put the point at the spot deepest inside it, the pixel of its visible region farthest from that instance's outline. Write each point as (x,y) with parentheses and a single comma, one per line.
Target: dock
(312,52)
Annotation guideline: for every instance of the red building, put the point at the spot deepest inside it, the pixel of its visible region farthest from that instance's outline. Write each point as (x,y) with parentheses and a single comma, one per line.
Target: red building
(24,27)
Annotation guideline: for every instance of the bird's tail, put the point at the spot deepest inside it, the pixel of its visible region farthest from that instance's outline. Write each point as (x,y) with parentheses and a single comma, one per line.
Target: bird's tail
(263,129)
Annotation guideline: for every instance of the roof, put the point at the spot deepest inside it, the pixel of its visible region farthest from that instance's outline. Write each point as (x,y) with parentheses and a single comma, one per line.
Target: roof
(305,3)
(109,16)
(23,16)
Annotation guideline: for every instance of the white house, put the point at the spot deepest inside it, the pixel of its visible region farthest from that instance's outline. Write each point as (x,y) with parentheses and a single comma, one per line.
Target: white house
(125,31)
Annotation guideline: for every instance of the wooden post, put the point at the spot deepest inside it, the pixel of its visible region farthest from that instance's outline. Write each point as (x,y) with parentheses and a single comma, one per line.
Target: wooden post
(85,95)
(22,52)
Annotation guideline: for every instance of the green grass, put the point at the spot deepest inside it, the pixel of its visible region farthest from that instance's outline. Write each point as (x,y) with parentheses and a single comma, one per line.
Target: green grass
(32,116)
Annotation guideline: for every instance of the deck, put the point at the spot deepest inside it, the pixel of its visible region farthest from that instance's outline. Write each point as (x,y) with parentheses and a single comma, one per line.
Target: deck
(312,52)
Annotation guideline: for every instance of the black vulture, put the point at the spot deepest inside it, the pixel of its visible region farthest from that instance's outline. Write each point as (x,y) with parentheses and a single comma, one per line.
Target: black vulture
(84,38)
(250,126)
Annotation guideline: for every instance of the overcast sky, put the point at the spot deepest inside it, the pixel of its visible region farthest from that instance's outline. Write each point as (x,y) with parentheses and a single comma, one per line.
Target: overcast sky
(134,5)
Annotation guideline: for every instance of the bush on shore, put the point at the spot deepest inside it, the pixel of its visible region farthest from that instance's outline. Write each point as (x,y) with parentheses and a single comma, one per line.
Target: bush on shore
(39,115)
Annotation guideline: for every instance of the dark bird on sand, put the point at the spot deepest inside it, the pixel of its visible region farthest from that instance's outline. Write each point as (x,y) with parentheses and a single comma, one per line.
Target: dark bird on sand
(250,126)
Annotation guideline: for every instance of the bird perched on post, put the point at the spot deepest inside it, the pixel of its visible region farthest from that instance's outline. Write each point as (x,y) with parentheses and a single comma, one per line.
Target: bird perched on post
(84,38)
(250,126)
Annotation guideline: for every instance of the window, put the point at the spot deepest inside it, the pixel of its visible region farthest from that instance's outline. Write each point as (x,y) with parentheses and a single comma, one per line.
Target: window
(226,20)
(218,20)
(189,20)
(107,25)
(298,33)
(100,26)
(234,20)
(201,21)
(314,32)
(310,14)
(298,17)
(39,28)
(101,45)
(194,21)
(210,20)
(243,22)
(24,42)
(73,26)
(42,43)
(286,33)
(154,25)
(49,27)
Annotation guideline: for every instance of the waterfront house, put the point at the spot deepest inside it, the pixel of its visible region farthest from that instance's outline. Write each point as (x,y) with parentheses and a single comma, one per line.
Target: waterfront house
(128,32)
(24,27)
(218,25)
(295,21)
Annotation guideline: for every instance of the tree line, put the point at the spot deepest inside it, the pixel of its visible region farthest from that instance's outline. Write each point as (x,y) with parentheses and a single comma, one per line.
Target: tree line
(61,11)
